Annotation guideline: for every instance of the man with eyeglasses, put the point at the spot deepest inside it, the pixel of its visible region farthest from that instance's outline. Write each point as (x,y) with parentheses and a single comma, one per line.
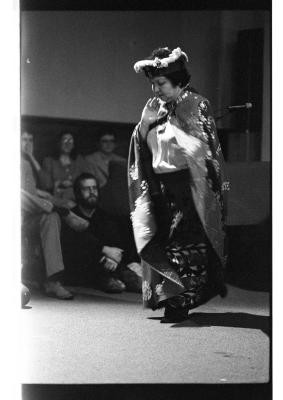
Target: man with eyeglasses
(98,161)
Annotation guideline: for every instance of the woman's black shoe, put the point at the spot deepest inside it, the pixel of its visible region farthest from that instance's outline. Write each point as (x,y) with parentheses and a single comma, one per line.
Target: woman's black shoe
(172,314)
(222,290)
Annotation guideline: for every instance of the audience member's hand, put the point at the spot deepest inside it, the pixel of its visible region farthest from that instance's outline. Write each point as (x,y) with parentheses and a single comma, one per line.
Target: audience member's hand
(43,194)
(110,265)
(47,197)
(67,183)
(70,204)
(28,149)
(114,253)
(61,185)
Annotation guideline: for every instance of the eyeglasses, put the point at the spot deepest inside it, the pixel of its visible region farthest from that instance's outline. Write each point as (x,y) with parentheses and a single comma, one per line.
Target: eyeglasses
(107,140)
(68,140)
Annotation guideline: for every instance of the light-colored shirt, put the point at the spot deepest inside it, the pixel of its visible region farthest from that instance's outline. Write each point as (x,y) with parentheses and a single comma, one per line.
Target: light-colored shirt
(30,201)
(167,155)
(28,181)
(98,165)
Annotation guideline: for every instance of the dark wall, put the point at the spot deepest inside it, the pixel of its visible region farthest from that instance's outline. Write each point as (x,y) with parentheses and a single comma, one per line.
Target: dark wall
(47,131)
(79,64)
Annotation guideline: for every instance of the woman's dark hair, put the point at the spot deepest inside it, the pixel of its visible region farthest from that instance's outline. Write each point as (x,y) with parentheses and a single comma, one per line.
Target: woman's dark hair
(181,77)
(73,153)
(106,132)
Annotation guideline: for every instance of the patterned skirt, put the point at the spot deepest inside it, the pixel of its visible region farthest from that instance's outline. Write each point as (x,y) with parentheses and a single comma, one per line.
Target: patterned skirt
(187,249)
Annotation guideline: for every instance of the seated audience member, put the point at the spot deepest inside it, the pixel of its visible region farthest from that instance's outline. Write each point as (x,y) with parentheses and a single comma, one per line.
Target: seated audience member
(99,256)
(60,172)
(40,213)
(98,162)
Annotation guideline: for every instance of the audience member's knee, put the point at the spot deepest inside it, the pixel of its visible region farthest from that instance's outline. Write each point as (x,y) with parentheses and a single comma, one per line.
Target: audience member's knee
(52,219)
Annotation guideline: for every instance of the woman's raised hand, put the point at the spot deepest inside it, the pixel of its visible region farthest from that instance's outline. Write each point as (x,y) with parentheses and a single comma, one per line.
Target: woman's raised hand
(149,114)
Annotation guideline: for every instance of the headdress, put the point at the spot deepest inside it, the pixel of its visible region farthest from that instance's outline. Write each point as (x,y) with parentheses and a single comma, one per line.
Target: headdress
(163,66)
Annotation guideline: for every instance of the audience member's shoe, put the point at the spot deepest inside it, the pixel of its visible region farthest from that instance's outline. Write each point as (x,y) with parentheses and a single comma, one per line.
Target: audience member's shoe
(132,280)
(75,222)
(31,284)
(55,289)
(112,285)
(222,290)
(25,295)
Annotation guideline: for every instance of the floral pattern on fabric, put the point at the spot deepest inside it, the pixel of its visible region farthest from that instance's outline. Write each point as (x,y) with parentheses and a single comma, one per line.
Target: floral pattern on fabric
(180,269)
(191,263)
(146,291)
(133,172)
(159,288)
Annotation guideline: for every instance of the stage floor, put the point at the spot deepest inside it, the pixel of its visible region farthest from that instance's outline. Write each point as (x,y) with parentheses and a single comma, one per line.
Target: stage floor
(100,338)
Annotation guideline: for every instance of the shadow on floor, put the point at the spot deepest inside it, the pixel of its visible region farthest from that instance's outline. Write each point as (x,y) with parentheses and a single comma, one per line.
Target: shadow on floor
(235,320)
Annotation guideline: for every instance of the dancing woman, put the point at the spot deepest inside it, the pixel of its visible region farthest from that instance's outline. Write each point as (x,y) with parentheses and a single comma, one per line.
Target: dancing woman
(176,190)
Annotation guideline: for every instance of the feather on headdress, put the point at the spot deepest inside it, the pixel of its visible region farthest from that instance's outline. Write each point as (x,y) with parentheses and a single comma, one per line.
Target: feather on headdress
(160,62)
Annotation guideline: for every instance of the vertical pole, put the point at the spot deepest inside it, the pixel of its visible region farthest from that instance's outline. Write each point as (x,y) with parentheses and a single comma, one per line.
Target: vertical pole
(248,137)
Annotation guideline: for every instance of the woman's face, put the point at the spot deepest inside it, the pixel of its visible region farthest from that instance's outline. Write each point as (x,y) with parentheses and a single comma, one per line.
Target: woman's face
(67,143)
(164,90)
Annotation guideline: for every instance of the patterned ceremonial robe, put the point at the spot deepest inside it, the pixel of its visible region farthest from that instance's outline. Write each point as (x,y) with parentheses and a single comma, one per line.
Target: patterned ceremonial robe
(191,123)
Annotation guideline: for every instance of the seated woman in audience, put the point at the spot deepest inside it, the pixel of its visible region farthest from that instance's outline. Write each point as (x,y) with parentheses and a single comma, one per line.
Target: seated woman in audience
(60,172)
